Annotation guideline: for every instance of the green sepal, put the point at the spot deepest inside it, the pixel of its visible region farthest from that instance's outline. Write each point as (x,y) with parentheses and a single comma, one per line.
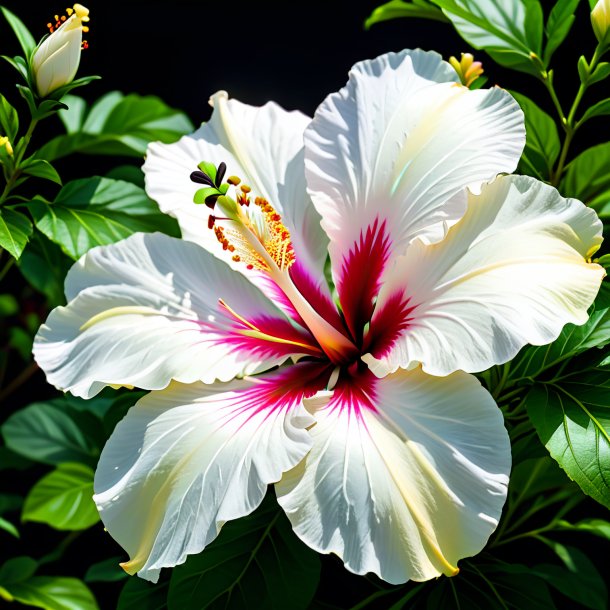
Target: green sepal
(601,73)
(9,119)
(209,169)
(203,194)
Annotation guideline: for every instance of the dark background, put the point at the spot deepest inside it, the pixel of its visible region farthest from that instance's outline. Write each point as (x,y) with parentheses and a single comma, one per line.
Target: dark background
(292,52)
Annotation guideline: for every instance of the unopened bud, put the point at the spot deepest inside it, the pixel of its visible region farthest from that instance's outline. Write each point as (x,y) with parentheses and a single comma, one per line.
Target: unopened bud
(56,59)
(600,20)
(4,143)
(467,69)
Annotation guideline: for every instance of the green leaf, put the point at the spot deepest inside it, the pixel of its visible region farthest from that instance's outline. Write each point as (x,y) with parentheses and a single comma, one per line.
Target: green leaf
(542,145)
(45,266)
(108,570)
(510,31)
(9,460)
(558,26)
(119,125)
(8,527)
(26,40)
(588,179)
(257,561)
(597,527)
(9,120)
(63,499)
(396,9)
(138,594)
(53,432)
(600,109)
(52,593)
(532,361)
(15,231)
(17,569)
(8,305)
(39,168)
(128,173)
(578,579)
(73,116)
(98,211)
(601,73)
(573,422)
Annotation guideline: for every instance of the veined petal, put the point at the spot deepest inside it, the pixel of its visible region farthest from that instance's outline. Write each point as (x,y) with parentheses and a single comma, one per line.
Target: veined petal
(147,310)
(189,458)
(396,147)
(407,475)
(264,147)
(513,271)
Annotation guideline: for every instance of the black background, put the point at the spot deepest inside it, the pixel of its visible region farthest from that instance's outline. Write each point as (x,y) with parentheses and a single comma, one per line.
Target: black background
(292,52)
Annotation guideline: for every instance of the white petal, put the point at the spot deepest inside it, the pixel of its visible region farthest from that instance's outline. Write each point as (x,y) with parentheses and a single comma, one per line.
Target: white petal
(407,475)
(264,147)
(512,271)
(146,310)
(186,460)
(399,143)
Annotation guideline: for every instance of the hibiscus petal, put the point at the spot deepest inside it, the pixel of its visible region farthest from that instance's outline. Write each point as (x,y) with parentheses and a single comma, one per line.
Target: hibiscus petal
(513,271)
(391,153)
(264,147)
(146,310)
(189,458)
(407,475)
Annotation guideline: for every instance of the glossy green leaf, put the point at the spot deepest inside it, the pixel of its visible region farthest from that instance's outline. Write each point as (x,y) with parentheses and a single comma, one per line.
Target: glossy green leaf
(138,594)
(128,173)
(63,499)
(118,125)
(601,73)
(17,569)
(597,527)
(588,179)
(573,422)
(108,570)
(15,231)
(558,26)
(73,116)
(26,40)
(52,432)
(9,120)
(98,211)
(600,109)
(45,266)
(508,30)
(542,140)
(9,460)
(39,168)
(396,9)
(257,561)
(8,527)
(532,360)
(51,593)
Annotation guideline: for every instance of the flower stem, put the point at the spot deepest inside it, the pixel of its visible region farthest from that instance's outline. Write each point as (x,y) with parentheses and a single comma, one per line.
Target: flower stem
(20,153)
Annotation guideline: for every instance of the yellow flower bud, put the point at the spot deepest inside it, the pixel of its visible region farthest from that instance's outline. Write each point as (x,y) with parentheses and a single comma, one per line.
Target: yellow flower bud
(600,20)
(56,59)
(467,69)
(4,142)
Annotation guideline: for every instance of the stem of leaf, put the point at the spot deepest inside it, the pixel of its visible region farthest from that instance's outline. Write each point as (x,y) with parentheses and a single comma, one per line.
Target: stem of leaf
(569,124)
(10,183)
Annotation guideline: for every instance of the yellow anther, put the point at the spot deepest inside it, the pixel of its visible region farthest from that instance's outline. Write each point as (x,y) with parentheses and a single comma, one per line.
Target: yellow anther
(81,12)
(234,180)
(69,11)
(245,188)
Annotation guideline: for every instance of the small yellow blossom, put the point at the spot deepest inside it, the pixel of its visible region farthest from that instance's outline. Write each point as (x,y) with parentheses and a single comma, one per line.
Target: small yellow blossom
(467,69)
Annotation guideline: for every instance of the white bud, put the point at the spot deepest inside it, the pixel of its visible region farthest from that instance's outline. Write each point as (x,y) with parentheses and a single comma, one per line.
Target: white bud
(600,20)
(56,59)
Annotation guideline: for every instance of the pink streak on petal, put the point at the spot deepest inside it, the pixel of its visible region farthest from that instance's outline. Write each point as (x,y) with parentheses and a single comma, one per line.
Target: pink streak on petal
(390,322)
(277,296)
(313,291)
(355,392)
(261,347)
(360,277)
(282,389)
